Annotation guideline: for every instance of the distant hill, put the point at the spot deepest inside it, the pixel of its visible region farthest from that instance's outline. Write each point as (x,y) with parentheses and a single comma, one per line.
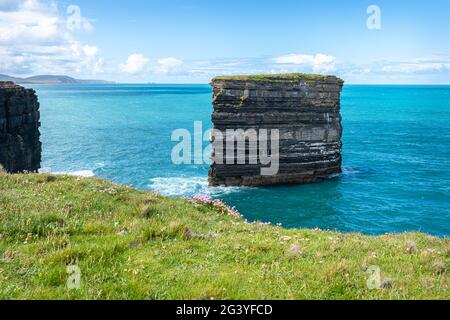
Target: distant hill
(50,79)
(4,77)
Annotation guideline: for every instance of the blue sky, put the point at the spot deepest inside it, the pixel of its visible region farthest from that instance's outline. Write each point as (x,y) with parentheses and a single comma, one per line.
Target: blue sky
(190,41)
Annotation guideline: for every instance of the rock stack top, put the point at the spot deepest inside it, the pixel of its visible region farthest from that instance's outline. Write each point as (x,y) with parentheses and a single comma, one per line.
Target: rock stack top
(305,111)
(281,78)
(20,148)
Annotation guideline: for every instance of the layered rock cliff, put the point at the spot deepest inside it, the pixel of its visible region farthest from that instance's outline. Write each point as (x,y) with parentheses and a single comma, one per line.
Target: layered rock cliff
(305,109)
(20,148)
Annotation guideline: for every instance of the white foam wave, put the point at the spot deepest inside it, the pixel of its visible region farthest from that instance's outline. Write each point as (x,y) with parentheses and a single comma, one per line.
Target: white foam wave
(349,171)
(80,173)
(188,186)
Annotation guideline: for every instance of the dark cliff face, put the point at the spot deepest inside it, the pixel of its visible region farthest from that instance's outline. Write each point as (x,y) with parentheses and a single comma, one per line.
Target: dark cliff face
(306,111)
(20,148)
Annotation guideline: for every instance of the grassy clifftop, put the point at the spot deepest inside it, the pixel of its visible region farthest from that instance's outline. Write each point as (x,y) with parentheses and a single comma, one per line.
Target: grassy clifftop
(131,244)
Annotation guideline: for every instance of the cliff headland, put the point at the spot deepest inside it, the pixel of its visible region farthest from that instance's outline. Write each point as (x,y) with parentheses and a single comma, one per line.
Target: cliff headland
(130,244)
(20,147)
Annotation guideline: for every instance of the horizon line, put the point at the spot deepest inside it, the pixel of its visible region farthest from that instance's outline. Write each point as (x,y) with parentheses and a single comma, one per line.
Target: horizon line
(203,83)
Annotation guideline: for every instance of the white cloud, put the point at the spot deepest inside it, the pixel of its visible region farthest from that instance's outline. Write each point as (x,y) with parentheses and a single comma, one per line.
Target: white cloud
(319,63)
(421,70)
(90,51)
(30,22)
(34,39)
(98,66)
(135,64)
(168,65)
(419,65)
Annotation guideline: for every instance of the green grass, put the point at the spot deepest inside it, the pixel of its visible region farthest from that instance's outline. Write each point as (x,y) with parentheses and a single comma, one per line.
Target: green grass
(131,244)
(275,77)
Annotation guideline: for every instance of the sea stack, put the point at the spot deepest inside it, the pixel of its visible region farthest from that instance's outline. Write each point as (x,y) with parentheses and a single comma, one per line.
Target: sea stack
(304,109)
(20,148)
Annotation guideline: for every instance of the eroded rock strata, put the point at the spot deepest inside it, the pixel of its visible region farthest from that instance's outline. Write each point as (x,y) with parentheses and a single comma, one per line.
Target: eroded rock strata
(20,148)
(306,111)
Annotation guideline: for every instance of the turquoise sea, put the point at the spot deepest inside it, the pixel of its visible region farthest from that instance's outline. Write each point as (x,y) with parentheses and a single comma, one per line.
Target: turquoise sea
(396,153)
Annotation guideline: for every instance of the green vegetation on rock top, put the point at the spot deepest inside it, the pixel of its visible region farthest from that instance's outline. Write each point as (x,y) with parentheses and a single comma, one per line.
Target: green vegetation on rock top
(276,77)
(130,244)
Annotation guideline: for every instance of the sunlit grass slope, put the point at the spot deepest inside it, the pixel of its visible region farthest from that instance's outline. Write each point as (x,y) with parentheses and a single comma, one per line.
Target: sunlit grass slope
(130,244)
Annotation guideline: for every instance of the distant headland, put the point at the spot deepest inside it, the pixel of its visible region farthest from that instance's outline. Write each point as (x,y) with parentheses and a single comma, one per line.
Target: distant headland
(51,79)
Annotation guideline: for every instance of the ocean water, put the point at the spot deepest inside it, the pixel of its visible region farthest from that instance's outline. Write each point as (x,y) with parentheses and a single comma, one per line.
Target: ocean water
(396,154)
